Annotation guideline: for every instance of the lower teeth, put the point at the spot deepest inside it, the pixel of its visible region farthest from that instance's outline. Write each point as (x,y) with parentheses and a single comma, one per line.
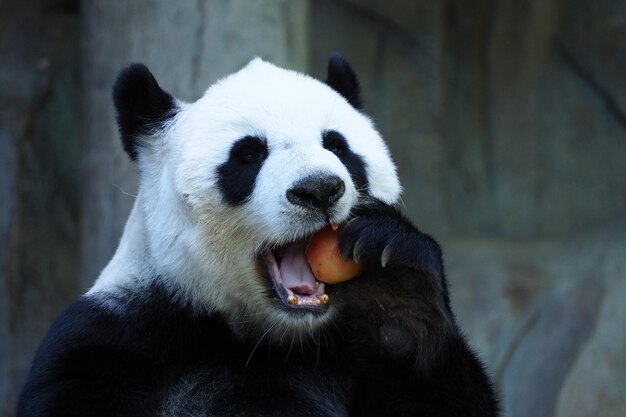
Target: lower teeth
(321,299)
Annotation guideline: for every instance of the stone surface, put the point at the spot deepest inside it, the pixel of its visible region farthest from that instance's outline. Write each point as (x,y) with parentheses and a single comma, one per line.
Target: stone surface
(548,318)
(598,58)
(39,115)
(555,148)
(596,384)
(506,119)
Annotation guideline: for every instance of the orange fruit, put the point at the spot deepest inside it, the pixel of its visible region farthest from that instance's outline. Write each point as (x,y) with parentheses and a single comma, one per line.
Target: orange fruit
(324,258)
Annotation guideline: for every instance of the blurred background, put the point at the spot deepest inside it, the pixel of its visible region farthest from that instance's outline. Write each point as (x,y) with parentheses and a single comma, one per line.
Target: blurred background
(507,119)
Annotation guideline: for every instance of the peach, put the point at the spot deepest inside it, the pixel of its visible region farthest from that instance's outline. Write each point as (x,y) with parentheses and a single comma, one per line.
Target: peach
(324,258)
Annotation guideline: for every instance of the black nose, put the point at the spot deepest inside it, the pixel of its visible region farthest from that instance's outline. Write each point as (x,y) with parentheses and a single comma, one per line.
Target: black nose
(318,192)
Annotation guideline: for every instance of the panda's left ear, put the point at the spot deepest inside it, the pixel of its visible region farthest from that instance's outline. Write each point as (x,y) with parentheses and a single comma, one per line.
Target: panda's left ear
(141,106)
(341,78)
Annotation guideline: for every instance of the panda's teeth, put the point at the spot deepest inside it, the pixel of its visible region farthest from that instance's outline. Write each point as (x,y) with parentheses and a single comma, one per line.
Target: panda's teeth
(317,284)
(292,299)
(309,302)
(323,299)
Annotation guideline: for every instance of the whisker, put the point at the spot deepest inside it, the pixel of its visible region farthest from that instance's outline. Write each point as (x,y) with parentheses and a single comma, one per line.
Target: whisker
(241,321)
(259,342)
(293,337)
(122,191)
(317,359)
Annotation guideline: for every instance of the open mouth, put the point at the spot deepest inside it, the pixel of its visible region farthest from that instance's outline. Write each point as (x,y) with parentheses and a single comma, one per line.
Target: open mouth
(293,279)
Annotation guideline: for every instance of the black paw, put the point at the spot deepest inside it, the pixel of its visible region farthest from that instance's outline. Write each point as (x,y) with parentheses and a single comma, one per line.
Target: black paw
(402,314)
(400,302)
(396,340)
(380,236)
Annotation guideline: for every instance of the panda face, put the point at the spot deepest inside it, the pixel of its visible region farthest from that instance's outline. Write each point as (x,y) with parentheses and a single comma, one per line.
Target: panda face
(233,186)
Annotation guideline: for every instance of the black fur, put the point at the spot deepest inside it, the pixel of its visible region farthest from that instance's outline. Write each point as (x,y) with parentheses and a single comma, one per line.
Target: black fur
(394,351)
(341,78)
(141,106)
(96,362)
(336,143)
(236,177)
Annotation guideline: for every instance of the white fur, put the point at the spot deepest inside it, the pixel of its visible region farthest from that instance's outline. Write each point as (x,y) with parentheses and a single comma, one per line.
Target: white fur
(181,230)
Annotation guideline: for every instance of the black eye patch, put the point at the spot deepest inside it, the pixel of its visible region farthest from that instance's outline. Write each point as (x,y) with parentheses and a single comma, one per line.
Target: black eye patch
(237,176)
(336,143)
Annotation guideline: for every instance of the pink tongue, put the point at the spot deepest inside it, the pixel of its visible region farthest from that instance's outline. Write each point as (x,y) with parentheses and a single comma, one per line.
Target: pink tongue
(295,270)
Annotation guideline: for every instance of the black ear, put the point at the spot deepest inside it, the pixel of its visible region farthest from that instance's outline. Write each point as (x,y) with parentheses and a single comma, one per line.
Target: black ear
(343,80)
(141,106)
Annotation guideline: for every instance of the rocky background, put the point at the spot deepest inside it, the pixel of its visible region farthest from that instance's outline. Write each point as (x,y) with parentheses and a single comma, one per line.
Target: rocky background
(507,120)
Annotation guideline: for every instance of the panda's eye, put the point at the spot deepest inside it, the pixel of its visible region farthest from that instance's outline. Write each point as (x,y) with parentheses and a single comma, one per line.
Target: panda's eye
(249,150)
(249,155)
(338,150)
(336,143)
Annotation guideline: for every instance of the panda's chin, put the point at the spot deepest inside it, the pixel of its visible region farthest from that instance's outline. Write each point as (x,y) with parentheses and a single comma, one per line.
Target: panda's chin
(292,278)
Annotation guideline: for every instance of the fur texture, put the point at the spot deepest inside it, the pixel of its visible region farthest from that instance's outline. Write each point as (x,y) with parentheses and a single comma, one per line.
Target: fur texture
(190,316)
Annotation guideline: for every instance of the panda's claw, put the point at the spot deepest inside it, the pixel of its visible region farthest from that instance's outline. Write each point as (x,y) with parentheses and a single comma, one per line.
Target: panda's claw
(352,220)
(350,234)
(359,249)
(356,242)
(381,234)
(385,255)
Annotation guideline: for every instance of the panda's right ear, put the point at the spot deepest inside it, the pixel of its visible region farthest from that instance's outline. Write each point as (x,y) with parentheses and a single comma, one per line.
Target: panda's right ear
(141,107)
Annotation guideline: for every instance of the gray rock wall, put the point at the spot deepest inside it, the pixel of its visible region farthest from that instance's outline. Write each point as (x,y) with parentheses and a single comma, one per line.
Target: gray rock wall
(507,121)
(39,189)
(506,118)
(548,318)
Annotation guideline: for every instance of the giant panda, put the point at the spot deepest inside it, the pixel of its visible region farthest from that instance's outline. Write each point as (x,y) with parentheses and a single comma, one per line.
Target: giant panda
(192,315)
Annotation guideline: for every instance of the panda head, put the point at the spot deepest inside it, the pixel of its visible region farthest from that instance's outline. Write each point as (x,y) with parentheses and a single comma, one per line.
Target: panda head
(233,185)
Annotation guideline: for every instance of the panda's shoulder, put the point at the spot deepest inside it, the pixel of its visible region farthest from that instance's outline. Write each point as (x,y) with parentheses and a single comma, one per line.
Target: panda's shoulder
(124,331)
(104,343)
